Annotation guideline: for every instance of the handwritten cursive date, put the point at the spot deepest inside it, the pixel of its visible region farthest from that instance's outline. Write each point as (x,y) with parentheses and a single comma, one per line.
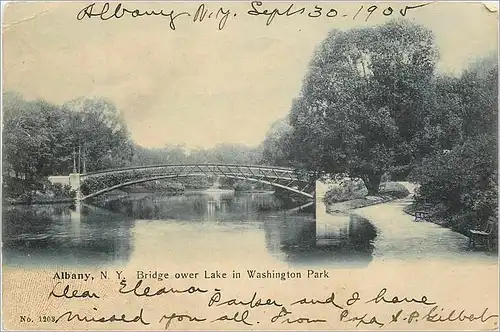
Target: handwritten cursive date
(108,11)
(258,9)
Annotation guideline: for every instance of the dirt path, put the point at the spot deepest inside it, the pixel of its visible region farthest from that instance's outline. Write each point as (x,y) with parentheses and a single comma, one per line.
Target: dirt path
(399,237)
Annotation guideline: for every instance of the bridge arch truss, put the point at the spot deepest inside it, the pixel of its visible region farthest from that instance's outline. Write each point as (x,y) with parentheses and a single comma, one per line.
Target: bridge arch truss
(301,183)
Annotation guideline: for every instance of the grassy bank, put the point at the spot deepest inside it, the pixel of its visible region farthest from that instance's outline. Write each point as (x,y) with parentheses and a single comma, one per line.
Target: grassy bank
(342,207)
(350,194)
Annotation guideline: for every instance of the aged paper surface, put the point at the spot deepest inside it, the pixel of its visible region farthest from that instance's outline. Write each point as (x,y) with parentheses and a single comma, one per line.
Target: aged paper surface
(249,166)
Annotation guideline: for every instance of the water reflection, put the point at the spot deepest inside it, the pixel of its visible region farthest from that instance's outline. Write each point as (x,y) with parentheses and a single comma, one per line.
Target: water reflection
(134,226)
(349,238)
(64,234)
(346,241)
(197,206)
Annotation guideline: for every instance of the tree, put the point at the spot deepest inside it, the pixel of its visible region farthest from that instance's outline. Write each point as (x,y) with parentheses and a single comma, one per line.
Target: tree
(364,101)
(462,181)
(276,146)
(40,137)
(460,176)
(234,154)
(478,88)
(34,137)
(98,128)
(180,154)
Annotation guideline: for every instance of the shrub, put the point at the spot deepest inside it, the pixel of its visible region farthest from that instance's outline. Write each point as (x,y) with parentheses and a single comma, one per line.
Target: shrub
(394,189)
(345,190)
(35,190)
(462,182)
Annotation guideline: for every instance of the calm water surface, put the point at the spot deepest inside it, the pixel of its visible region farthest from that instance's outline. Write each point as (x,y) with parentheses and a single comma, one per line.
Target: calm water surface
(196,226)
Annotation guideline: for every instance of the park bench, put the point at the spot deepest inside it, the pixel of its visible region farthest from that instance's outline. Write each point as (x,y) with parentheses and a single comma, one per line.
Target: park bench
(423,213)
(483,235)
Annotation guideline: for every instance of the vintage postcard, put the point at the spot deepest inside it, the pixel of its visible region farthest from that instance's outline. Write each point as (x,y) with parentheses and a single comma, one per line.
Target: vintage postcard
(250,166)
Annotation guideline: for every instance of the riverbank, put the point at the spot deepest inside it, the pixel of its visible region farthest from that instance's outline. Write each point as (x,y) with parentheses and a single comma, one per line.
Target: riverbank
(461,224)
(8,202)
(342,199)
(344,207)
(399,237)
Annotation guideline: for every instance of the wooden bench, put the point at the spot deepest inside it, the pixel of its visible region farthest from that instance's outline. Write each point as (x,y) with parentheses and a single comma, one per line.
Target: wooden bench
(483,235)
(423,214)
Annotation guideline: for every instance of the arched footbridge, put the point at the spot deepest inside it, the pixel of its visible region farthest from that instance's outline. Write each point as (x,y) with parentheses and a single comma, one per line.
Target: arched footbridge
(98,183)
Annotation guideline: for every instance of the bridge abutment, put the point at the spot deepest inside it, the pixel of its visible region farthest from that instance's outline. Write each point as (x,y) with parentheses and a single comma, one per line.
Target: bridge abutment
(73,180)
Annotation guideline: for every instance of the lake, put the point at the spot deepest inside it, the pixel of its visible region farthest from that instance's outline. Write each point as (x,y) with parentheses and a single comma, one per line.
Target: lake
(220,226)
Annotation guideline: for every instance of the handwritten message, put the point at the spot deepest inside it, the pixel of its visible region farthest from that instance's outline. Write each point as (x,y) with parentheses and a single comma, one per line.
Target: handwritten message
(265,13)
(216,306)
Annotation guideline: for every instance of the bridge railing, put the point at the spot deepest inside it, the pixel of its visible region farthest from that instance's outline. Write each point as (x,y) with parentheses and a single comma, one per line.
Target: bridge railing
(278,176)
(128,168)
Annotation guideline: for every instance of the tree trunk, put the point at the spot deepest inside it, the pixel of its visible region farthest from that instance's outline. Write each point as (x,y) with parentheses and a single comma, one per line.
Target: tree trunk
(372,183)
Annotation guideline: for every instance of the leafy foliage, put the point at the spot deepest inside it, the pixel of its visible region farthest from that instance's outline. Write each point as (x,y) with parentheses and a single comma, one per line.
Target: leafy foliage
(99,128)
(394,189)
(349,189)
(364,101)
(180,154)
(40,137)
(461,182)
(277,144)
(372,104)
(24,191)
(345,191)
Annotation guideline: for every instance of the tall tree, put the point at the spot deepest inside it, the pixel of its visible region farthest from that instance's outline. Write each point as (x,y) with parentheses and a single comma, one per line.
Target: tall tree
(100,132)
(34,135)
(478,87)
(460,177)
(364,100)
(40,137)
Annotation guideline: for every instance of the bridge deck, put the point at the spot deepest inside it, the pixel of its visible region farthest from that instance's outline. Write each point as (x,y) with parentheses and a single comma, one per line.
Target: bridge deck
(129,168)
(281,177)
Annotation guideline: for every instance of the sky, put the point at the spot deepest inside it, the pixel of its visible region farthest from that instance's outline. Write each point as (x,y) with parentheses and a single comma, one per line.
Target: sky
(197,85)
